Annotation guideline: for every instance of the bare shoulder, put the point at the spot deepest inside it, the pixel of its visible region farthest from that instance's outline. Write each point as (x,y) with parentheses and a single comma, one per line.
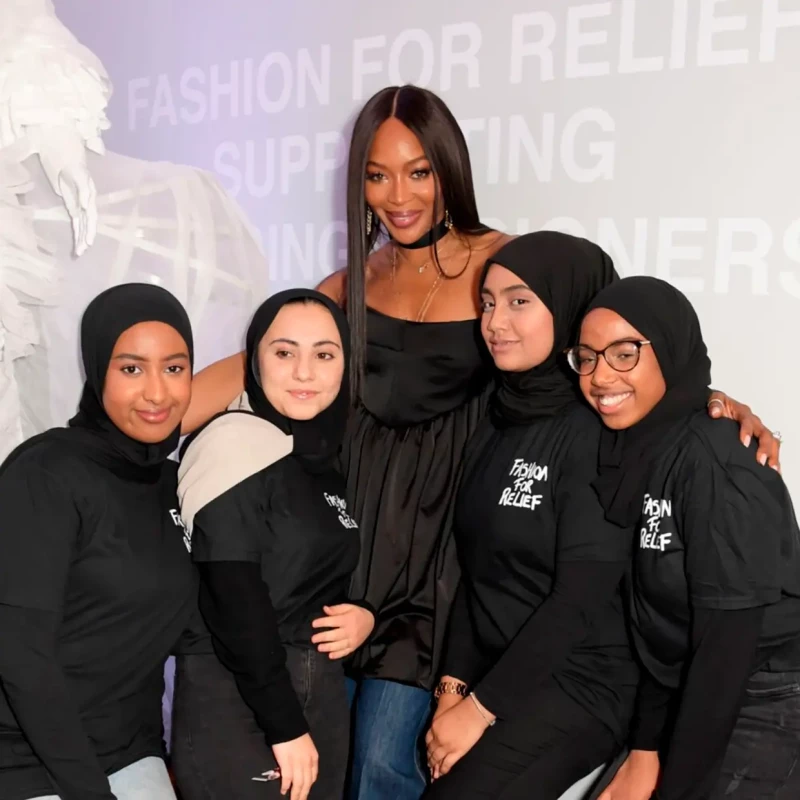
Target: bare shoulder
(484,247)
(380,259)
(335,286)
(491,241)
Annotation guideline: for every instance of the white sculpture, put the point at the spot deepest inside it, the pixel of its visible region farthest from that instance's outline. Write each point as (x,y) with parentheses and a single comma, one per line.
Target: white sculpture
(75,220)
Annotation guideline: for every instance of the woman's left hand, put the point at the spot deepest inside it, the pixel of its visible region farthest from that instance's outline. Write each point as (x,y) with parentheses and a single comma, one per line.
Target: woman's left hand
(452,735)
(348,627)
(720,405)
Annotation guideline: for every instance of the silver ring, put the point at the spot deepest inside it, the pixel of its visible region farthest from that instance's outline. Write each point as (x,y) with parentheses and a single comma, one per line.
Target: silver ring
(777,435)
(716,400)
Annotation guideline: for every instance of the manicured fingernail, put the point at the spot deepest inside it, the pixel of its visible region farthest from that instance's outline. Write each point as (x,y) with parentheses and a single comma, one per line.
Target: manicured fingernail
(747,440)
(763,460)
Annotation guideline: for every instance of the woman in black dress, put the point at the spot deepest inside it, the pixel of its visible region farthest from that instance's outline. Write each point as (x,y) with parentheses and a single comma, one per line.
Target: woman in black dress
(539,678)
(96,584)
(715,588)
(276,546)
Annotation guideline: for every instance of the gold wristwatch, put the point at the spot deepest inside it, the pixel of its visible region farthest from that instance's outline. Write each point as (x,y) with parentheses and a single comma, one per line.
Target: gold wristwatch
(450,687)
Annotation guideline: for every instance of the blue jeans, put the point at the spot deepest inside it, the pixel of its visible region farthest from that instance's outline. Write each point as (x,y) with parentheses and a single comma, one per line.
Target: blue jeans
(146,779)
(389,721)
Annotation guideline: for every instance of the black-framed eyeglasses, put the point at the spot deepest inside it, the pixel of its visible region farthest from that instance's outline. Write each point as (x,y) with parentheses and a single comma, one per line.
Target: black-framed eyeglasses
(621,356)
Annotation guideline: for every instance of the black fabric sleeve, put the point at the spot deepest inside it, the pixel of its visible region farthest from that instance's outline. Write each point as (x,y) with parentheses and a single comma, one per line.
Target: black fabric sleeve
(38,537)
(733,522)
(367,606)
(231,527)
(237,609)
(463,659)
(651,716)
(724,645)
(591,558)
(553,631)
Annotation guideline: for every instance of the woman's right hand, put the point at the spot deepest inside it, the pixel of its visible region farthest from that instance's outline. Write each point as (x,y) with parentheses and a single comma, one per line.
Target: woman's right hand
(299,763)
(448,700)
(445,703)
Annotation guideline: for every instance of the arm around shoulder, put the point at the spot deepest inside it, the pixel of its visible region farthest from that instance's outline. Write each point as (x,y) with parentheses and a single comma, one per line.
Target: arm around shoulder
(213,390)
(335,287)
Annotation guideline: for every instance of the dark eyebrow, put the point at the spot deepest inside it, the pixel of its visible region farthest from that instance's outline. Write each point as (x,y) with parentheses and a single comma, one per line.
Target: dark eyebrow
(134,357)
(297,344)
(516,287)
(408,163)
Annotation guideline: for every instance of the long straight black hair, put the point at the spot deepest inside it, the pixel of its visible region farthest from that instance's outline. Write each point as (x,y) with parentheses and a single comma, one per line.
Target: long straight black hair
(432,122)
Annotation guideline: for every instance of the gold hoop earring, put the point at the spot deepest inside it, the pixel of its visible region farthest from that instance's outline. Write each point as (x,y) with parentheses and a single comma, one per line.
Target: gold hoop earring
(448,220)
(369,221)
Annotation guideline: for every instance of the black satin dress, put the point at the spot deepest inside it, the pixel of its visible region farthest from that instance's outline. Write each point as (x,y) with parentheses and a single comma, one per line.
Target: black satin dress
(426,389)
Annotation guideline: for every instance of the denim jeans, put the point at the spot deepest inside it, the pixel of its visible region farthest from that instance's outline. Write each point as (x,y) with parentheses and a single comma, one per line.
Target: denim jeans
(143,780)
(218,747)
(763,755)
(389,720)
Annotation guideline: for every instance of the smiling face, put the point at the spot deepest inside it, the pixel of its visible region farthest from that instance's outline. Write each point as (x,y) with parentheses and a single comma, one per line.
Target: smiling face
(516,325)
(621,398)
(400,186)
(148,383)
(301,361)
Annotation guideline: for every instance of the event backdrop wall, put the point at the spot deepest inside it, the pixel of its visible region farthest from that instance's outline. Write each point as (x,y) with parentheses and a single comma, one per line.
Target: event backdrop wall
(665,130)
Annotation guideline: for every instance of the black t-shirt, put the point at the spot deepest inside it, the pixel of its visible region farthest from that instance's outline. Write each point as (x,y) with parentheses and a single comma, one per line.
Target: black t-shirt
(293,522)
(526,510)
(717,531)
(96,586)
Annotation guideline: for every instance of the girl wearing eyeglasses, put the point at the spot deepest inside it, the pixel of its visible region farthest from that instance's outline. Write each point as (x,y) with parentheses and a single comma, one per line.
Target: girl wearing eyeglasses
(715,588)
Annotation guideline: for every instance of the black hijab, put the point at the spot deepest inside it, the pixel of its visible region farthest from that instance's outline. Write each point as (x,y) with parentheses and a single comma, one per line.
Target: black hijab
(565,273)
(106,318)
(91,431)
(316,440)
(664,316)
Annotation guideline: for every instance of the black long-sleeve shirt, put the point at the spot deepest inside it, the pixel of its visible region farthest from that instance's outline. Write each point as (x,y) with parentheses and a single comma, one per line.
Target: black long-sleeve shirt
(715,595)
(96,586)
(691,727)
(561,623)
(273,549)
(237,608)
(541,570)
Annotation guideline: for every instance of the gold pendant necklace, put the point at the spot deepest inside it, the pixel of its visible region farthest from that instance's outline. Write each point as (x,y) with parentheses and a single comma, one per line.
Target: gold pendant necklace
(440,276)
(431,292)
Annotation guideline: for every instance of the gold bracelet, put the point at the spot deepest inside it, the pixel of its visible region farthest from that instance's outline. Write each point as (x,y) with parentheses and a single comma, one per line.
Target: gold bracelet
(450,687)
